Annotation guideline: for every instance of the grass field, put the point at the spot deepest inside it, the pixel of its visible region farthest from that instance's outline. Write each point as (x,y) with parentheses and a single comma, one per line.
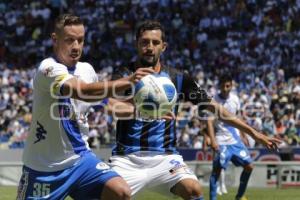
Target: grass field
(9,193)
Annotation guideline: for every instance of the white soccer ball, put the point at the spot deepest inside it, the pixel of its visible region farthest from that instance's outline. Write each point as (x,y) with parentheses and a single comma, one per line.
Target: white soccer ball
(154,96)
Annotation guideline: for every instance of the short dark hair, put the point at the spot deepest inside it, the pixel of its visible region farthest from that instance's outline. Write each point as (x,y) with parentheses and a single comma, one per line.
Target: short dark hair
(225,78)
(150,25)
(65,20)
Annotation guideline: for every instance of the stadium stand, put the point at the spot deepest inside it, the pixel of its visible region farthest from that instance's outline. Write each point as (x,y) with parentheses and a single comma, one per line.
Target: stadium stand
(256,41)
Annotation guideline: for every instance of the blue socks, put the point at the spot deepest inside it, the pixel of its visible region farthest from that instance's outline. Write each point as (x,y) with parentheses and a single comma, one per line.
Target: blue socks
(213,184)
(243,183)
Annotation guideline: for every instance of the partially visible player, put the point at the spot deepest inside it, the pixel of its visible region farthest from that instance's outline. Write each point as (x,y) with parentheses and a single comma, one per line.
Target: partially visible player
(145,154)
(222,189)
(227,143)
(57,159)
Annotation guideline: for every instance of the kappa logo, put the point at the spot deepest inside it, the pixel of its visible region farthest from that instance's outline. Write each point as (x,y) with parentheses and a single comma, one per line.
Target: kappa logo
(102,166)
(40,132)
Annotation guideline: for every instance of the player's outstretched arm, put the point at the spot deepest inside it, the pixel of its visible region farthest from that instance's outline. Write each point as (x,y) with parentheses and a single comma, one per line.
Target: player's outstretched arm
(233,120)
(211,133)
(198,96)
(120,109)
(81,90)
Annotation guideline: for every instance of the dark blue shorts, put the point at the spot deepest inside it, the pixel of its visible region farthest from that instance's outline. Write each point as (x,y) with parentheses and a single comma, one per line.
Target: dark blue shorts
(237,153)
(84,180)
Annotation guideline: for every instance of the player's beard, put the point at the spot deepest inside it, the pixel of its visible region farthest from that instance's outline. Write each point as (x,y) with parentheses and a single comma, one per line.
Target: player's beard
(147,63)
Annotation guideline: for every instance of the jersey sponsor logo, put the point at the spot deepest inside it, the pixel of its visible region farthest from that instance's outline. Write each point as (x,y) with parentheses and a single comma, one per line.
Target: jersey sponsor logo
(40,133)
(102,166)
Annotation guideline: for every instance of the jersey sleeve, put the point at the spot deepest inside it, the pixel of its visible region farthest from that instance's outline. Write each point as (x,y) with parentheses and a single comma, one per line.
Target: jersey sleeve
(193,92)
(52,76)
(238,105)
(92,72)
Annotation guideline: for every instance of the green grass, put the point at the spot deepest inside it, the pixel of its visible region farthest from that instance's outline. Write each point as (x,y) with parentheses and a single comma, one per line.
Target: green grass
(9,193)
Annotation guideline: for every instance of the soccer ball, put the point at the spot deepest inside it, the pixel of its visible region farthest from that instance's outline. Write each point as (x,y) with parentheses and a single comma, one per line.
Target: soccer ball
(154,96)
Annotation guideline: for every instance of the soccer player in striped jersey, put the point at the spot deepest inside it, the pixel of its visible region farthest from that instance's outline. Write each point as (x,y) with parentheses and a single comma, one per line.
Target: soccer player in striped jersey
(226,141)
(145,153)
(57,159)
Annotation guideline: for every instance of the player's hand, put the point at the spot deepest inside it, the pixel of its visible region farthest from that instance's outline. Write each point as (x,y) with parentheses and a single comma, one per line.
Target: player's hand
(270,143)
(169,116)
(140,73)
(215,146)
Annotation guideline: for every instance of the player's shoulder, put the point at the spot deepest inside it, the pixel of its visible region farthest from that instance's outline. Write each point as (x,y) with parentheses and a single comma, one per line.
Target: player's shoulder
(172,70)
(50,67)
(50,64)
(234,97)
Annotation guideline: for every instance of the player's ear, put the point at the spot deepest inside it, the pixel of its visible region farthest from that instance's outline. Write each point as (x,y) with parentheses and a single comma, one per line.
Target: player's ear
(165,44)
(54,38)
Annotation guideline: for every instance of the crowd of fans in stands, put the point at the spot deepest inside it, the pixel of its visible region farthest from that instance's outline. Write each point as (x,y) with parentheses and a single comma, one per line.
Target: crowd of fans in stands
(257,42)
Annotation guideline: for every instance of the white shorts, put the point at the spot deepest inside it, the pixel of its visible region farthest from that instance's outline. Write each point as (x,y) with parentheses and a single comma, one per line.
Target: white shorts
(147,170)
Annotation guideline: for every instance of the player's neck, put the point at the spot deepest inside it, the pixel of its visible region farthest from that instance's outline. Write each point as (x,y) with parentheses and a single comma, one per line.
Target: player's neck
(222,96)
(157,67)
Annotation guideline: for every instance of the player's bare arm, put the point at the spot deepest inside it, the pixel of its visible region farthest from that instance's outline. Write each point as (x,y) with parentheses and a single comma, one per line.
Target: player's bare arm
(120,109)
(81,90)
(211,133)
(227,117)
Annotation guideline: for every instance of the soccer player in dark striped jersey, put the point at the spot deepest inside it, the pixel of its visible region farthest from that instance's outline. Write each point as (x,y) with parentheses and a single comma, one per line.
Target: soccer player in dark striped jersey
(145,152)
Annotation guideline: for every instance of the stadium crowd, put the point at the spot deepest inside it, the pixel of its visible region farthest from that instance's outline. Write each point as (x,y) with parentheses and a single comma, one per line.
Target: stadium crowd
(257,42)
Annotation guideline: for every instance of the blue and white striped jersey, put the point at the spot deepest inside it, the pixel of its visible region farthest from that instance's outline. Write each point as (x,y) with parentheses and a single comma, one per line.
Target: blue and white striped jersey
(59,127)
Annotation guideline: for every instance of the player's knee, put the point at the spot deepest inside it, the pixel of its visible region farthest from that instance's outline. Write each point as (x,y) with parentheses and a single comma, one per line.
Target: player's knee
(123,192)
(194,190)
(187,189)
(248,168)
(116,189)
